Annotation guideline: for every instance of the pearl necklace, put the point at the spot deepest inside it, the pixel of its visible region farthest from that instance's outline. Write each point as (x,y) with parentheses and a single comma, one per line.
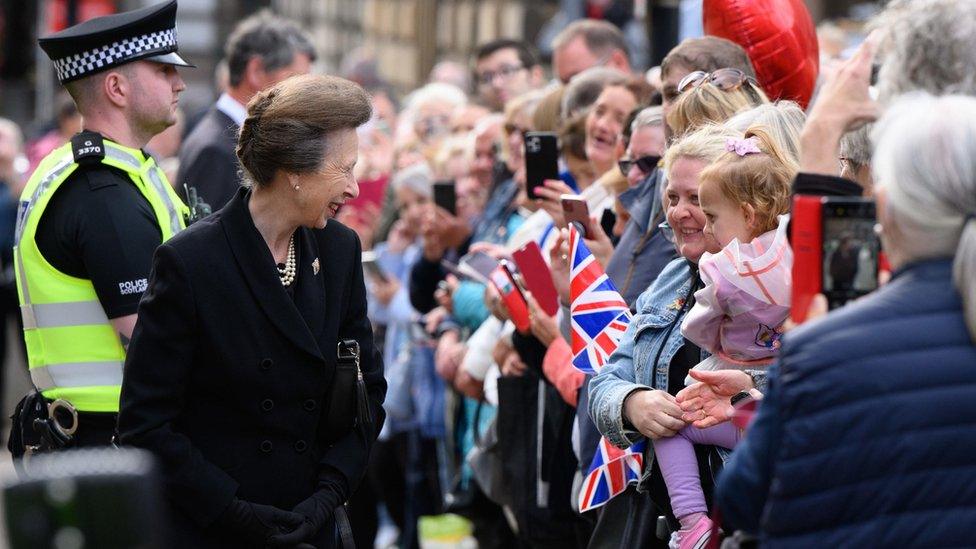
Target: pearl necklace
(287,273)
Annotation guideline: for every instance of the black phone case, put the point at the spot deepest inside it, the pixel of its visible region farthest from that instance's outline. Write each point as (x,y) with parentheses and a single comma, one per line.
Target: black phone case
(445,196)
(541,160)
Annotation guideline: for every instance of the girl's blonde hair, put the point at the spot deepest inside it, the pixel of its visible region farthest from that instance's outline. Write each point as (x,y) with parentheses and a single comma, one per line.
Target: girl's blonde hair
(762,180)
(707,104)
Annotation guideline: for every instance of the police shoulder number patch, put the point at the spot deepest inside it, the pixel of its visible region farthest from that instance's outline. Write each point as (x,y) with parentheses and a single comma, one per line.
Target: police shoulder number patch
(88,147)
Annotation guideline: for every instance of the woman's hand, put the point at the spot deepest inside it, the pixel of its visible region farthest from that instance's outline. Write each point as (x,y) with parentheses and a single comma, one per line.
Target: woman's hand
(444,294)
(654,413)
(548,198)
(433,246)
(543,326)
(843,104)
(447,356)
(706,403)
(400,235)
(496,251)
(468,385)
(493,301)
(559,266)
(453,230)
(513,365)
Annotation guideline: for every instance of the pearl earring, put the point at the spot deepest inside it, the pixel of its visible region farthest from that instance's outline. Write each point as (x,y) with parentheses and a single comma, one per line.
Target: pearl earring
(298,187)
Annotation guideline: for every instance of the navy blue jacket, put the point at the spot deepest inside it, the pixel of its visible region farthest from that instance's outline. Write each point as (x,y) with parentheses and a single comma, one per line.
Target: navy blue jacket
(867,436)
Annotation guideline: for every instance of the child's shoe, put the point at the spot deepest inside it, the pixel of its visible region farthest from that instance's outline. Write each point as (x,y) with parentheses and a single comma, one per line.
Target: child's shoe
(697,537)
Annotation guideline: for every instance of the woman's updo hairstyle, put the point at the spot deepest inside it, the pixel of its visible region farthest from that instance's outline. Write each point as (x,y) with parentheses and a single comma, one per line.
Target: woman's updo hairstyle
(289,125)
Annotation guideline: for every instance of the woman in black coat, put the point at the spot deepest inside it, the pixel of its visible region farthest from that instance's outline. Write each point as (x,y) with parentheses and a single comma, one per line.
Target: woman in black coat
(231,378)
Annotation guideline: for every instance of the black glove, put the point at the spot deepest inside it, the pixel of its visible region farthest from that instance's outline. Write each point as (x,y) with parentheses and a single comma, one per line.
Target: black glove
(316,511)
(253,520)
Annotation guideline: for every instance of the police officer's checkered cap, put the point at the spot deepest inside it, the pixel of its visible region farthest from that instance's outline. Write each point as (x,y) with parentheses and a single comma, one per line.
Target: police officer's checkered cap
(104,42)
(75,66)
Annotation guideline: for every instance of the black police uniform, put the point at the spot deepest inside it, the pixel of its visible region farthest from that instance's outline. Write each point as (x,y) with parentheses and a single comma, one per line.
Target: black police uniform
(98,226)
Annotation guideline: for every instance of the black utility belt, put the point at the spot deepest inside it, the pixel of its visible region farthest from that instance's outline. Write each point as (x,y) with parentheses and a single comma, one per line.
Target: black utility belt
(42,425)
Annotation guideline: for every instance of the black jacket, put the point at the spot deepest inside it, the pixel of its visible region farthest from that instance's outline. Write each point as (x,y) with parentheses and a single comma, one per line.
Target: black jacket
(227,383)
(208,160)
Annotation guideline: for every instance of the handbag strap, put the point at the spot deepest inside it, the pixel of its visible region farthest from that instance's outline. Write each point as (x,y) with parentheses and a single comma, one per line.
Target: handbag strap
(345,529)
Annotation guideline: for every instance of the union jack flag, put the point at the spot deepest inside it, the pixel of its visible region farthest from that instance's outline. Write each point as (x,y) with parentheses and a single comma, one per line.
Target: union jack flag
(610,473)
(599,315)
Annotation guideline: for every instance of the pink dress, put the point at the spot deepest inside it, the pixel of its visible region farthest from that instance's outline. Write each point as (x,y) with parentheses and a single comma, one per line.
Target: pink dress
(738,315)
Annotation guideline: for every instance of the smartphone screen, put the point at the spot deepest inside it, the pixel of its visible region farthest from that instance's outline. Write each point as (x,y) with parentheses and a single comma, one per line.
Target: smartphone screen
(541,160)
(479,262)
(849,250)
(445,197)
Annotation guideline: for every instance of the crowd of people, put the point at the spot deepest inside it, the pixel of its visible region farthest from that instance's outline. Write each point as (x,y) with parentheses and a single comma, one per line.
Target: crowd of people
(688,173)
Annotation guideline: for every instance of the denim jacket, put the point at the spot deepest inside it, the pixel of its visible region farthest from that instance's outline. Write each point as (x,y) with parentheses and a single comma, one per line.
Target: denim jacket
(655,327)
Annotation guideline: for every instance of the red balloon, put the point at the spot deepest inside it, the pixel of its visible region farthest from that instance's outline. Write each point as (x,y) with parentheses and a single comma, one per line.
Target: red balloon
(779,37)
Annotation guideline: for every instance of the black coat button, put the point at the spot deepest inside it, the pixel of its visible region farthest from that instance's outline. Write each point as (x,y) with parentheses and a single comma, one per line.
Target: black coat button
(309,405)
(267,405)
(266,446)
(266,364)
(301,446)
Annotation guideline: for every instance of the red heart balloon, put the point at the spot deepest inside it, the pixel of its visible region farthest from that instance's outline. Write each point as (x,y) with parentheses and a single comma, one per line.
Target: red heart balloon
(779,37)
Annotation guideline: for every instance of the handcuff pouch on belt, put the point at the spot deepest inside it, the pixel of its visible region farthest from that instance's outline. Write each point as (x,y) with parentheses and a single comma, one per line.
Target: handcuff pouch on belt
(349,402)
(40,425)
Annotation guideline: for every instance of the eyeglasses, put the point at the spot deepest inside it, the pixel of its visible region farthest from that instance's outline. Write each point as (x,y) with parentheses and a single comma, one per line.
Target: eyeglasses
(505,72)
(645,163)
(724,79)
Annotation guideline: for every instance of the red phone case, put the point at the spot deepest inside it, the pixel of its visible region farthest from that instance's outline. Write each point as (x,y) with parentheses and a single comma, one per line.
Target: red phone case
(518,310)
(806,226)
(537,276)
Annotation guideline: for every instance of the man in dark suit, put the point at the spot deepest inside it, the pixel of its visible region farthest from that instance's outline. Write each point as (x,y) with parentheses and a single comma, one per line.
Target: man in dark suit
(262,51)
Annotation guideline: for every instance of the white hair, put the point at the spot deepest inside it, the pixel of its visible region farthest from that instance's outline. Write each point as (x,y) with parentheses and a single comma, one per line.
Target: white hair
(435,92)
(647,117)
(927,45)
(417,178)
(925,161)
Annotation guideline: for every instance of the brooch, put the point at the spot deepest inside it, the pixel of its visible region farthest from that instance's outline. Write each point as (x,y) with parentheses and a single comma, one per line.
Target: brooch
(315,266)
(677,304)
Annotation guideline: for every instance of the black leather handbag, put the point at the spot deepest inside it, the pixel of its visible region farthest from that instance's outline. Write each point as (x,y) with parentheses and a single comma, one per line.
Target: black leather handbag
(348,402)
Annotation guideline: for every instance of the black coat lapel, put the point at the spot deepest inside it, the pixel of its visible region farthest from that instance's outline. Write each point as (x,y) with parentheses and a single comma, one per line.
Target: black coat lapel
(310,291)
(257,267)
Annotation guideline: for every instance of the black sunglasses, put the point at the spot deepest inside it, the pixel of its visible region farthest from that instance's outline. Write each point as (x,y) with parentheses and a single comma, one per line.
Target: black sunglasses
(645,163)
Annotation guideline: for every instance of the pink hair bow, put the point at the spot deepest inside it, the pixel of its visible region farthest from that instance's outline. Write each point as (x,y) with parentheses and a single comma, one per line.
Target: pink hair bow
(742,147)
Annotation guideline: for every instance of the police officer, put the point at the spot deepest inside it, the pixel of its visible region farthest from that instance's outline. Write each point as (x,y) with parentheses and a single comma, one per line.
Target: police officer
(89,221)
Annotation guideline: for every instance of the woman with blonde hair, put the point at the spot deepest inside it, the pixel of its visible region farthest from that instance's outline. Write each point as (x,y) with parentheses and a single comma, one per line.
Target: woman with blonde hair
(712,98)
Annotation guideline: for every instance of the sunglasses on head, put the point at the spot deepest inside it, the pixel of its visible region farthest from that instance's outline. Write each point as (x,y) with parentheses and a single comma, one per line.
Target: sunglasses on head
(645,163)
(724,79)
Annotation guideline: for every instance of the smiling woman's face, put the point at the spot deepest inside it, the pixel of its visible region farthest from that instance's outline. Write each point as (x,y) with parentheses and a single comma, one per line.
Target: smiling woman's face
(684,211)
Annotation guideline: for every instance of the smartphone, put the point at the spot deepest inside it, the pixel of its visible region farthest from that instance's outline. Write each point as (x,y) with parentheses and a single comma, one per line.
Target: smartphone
(576,209)
(835,250)
(537,276)
(372,267)
(541,160)
(445,196)
(478,265)
(850,249)
(503,279)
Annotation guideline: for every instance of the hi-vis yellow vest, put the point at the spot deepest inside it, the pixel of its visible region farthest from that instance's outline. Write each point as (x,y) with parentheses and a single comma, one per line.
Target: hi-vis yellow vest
(73,351)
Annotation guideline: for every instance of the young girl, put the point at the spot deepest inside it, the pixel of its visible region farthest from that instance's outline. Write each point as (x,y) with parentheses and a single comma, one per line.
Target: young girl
(737,315)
